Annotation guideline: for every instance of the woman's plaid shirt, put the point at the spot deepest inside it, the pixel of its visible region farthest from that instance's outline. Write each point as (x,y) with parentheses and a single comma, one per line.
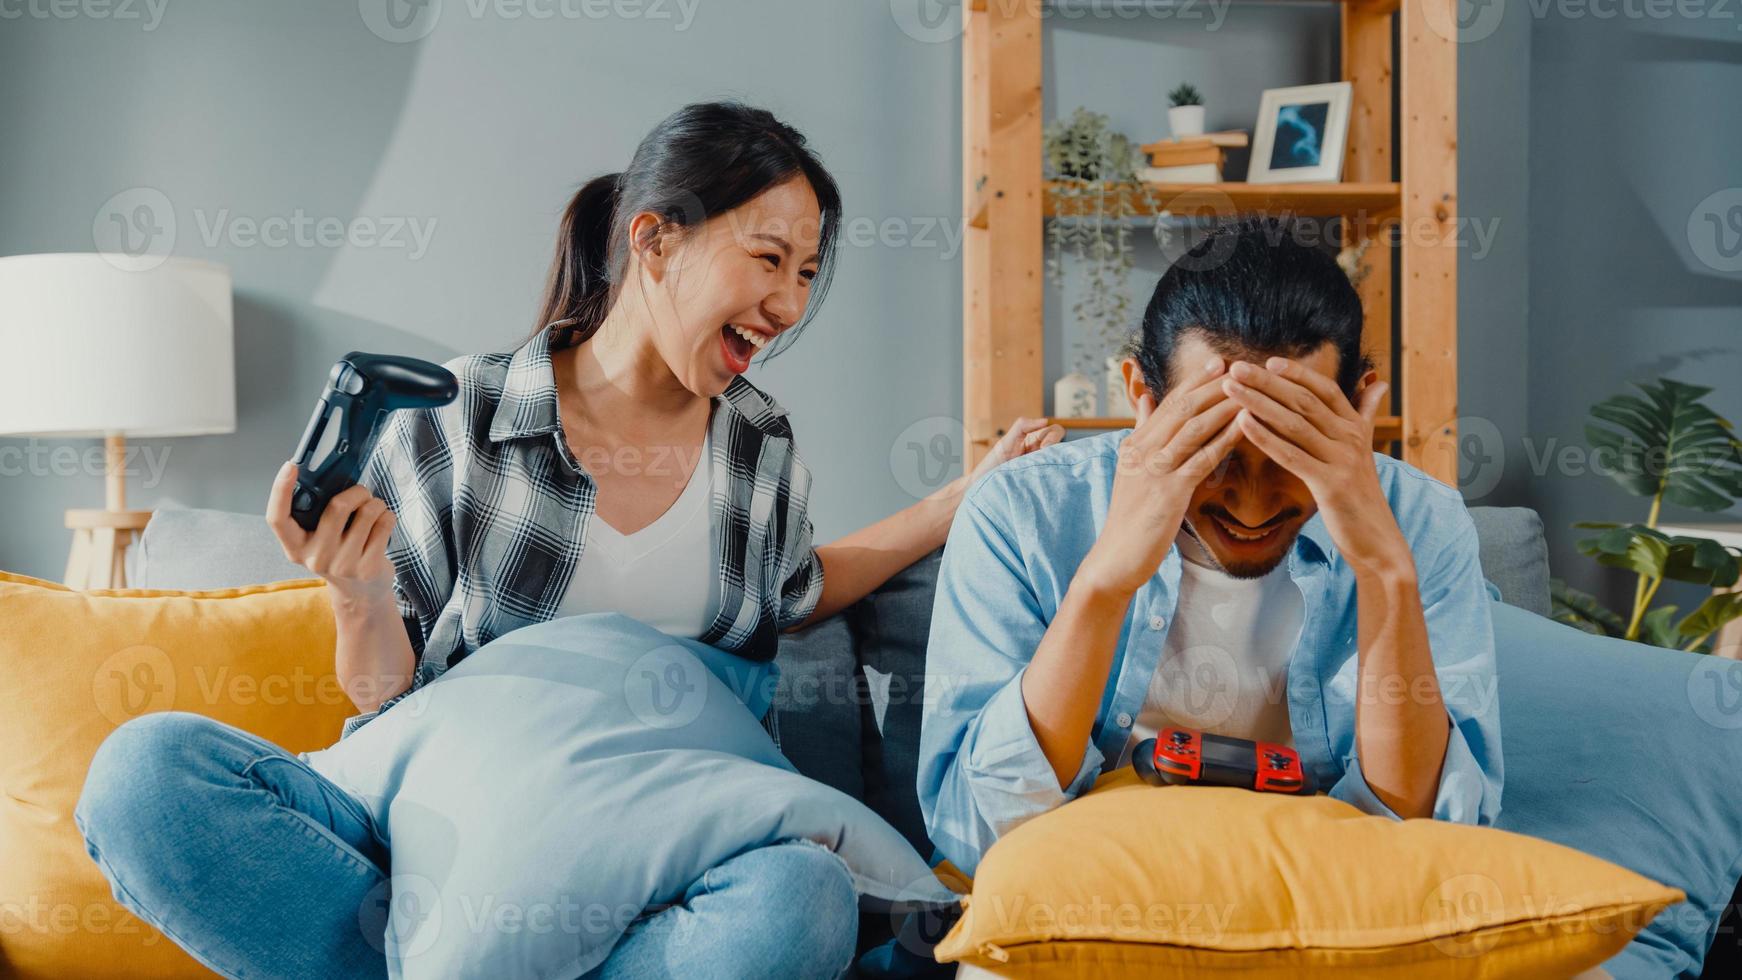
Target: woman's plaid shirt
(492,511)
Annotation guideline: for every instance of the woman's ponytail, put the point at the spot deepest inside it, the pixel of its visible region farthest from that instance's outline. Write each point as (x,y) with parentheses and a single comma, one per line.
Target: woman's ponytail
(578,293)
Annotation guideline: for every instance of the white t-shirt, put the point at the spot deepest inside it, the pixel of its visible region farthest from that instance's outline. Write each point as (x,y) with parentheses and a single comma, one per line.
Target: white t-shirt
(1224,663)
(662,574)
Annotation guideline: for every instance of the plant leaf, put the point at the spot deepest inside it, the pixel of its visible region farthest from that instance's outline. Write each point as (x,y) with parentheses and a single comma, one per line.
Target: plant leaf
(1656,628)
(1668,442)
(1701,561)
(1635,547)
(1712,615)
(1582,610)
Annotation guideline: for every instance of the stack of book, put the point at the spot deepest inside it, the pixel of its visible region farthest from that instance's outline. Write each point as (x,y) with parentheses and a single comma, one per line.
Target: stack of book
(1192,160)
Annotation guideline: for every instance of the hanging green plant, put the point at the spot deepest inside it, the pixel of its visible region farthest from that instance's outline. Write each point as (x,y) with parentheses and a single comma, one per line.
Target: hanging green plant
(1096,194)
(1669,446)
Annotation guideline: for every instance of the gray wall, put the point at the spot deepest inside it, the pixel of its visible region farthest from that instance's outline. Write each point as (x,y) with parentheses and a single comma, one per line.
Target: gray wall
(1602,134)
(1495,75)
(1633,127)
(250,110)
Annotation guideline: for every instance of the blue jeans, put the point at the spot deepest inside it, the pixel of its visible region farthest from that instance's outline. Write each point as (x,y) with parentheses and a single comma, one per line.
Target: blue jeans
(260,867)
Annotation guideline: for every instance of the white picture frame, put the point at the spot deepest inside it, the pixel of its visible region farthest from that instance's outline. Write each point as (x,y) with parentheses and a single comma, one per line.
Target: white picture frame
(1304,156)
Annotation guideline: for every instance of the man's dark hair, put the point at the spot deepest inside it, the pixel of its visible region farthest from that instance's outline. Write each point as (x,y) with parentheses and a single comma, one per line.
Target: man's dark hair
(1251,287)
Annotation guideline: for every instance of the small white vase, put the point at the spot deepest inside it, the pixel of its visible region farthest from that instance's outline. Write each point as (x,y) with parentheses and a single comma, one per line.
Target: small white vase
(1073,397)
(1118,402)
(1185,120)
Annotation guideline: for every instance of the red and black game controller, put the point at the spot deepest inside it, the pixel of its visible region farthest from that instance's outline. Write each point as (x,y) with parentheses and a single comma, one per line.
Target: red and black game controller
(1183,757)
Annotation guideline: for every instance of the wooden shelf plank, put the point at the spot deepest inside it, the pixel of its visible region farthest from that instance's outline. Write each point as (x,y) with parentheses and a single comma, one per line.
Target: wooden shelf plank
(1388,429)
(1080,7)
(1096,423)
(1227,199)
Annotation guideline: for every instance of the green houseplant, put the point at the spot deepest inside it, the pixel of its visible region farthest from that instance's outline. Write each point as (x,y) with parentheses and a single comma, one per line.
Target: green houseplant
(1095,193)
(1185,115)
(1671,447)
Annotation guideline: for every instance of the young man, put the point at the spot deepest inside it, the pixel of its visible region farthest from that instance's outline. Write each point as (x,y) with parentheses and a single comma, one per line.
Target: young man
(1241,562)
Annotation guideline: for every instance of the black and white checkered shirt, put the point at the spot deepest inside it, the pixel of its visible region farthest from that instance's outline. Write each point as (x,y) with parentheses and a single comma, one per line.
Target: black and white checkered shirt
(493,508)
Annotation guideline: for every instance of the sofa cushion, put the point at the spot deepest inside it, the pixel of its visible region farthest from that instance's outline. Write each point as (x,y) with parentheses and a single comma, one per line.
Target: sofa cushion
(196,548)
(890,628)
(73,667)
(1628,752)
(1206,881)
(1514,555)
(820,695)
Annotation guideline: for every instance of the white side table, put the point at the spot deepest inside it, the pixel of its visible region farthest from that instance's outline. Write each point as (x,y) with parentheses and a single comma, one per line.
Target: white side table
(1729,643)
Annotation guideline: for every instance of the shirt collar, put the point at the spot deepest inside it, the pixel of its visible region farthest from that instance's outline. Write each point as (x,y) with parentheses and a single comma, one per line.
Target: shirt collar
(1314,534)
(529,405)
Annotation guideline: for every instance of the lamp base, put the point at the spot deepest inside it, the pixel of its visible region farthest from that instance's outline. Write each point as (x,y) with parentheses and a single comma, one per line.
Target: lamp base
(100,542)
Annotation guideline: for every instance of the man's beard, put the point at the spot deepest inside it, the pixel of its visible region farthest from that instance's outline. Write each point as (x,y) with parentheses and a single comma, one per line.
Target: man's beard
(1249,569)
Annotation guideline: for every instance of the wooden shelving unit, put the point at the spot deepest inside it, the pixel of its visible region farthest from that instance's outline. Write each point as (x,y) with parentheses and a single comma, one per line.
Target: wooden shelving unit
(1005,201)
(1310,200)
(1387,429)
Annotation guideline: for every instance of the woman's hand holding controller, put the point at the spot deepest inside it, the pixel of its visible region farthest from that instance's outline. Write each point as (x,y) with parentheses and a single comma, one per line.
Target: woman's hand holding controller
(353,560)
(373,655)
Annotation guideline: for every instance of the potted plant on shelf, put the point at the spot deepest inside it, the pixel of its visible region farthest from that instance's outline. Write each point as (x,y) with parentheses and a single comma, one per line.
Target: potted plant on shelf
(1095,193)
(1668,446)
(1185,117)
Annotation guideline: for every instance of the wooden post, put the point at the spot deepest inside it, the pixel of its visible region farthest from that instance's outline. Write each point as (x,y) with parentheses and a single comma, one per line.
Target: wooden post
(1002,251)
(1428,89)
(1367,66)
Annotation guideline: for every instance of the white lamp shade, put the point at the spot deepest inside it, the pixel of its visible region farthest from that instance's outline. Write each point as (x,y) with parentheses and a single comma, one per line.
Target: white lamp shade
(94,345)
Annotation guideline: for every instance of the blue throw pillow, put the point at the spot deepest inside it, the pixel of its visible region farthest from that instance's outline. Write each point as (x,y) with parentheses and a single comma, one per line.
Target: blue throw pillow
(1628,752)
(548,788)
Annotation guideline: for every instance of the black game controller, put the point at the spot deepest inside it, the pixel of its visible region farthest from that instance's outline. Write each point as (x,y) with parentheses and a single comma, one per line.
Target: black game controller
(361,390)
(1184,757)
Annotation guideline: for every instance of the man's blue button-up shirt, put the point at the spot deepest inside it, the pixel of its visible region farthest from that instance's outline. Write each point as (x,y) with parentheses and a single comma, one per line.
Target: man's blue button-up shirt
(1017,539)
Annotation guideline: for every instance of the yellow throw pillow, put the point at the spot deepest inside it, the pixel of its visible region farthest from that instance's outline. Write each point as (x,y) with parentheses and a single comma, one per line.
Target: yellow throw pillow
(73,666)
(1135,880)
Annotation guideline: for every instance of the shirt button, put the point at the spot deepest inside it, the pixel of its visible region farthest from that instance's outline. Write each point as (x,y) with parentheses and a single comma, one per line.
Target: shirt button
(1124,720)
(1157,622)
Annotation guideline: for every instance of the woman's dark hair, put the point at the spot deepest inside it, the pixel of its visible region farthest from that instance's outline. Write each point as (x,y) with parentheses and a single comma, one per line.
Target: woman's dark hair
(702,160)
(1252,287)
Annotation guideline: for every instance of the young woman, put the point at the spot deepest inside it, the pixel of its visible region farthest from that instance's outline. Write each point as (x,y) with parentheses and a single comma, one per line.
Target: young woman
(617,460)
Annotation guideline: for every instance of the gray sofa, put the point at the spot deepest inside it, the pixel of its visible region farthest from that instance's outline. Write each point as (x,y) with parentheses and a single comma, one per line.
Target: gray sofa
(1575,713)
